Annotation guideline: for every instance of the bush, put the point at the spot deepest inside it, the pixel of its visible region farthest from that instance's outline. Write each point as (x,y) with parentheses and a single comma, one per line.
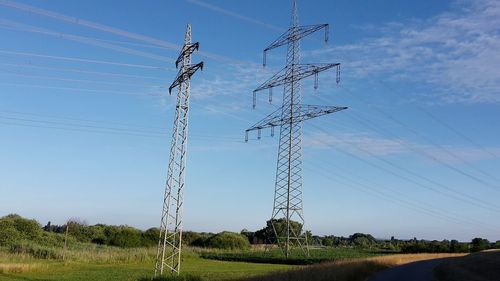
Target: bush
(126,237)
(228,240)
(150,237)
(14,228)
(27,229)
(202,240)
(8,235)
(189,237)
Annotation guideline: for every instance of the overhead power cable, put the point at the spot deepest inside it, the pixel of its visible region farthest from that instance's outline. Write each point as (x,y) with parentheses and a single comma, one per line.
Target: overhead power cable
(25,122)
(82,71)
(84,40)
(81,60)
(80,89)
(409,204)
(77,80)
(112,30)
(451,167)
(444,124)
(420,152)
(405,178)
(105,40)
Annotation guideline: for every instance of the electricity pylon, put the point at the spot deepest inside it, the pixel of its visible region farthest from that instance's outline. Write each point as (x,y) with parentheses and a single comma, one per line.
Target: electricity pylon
(288,186)
(170,242)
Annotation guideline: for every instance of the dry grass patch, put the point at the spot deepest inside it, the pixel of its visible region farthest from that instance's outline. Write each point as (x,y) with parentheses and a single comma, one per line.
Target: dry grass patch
(393,260)
(347,270)
(20,267)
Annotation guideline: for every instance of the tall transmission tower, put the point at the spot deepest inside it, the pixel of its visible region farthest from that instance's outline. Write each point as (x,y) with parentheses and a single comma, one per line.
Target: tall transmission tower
(168,256)
(288,206)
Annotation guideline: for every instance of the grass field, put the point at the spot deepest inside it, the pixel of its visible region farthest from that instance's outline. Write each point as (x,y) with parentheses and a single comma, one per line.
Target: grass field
(109,263)
(119,264)
(275,256)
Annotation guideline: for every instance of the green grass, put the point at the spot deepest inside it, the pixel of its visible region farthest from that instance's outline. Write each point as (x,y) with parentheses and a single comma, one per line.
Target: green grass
(109,264)
(103,263)
(275,256)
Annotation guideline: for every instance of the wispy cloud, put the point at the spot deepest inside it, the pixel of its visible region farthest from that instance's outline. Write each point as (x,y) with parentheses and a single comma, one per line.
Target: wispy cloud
(355,143)
(364,144)
(455,52)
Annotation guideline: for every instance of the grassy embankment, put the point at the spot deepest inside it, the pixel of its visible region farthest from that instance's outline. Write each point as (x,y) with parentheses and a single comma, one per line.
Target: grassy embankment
(482,266)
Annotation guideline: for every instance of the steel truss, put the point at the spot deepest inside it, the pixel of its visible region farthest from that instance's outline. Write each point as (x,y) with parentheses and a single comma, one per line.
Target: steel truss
(168,257)
(288,207)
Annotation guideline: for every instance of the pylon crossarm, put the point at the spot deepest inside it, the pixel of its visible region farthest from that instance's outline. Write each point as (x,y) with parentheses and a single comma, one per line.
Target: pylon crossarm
(186,51)
(300,72)
(186,74)
(295,33)
(307,112)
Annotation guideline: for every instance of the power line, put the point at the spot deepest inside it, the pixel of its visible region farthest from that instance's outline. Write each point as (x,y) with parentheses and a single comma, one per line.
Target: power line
(103,130)
(77,80)
(11,112)
(82,60)
(80,89)
(112,30)
(457,170)
(419,152)
(103,40)
(445,125)
(64,69)
(439,214)
(85,40)
(356,180)
(405,178)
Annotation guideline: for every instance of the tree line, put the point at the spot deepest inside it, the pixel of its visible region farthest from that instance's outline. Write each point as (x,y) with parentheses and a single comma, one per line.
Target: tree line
(15,229)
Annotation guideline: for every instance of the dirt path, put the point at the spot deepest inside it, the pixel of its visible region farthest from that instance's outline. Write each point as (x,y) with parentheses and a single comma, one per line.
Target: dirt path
(415,271)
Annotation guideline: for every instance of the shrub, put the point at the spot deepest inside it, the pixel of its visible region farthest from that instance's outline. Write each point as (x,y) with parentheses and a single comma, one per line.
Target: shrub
(202,240)
(189,237)
(228,240)
(150,237)
(126,237)
(8,234)
(34,251)
(27,229)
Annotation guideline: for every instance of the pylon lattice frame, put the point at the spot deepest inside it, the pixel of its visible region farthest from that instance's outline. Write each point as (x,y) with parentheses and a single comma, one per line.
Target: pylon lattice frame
(288,185)
(168,256)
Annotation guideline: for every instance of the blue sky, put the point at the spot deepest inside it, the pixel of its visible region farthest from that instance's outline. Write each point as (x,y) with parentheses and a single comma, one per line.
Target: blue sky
(85,117)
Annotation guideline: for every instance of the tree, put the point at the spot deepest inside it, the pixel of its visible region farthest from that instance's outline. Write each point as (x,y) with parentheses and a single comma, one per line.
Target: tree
(479,244)
(268,235)
(126,237)
(362,240)
(327,241)
(228,240)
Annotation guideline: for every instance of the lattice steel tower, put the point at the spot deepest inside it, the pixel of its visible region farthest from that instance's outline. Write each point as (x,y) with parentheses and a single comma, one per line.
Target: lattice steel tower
(288,187)
(168,256)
